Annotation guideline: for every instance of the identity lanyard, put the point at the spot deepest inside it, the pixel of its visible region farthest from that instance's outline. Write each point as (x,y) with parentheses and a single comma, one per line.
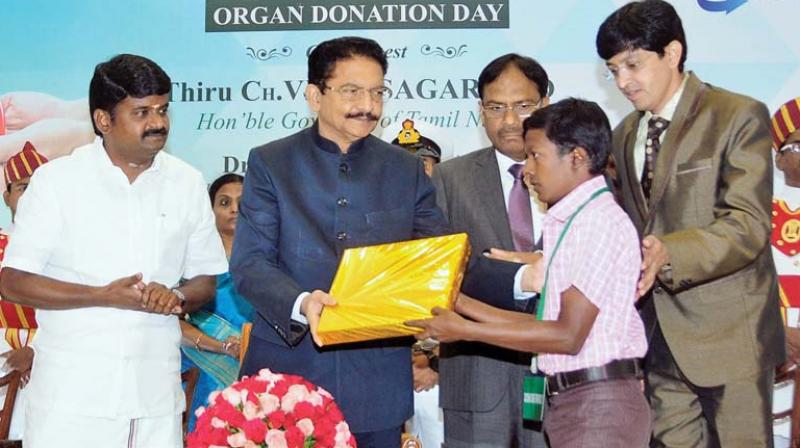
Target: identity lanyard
(534,387)
(543,293)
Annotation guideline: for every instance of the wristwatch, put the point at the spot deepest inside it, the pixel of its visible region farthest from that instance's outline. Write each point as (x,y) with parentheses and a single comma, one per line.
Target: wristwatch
(180,296)
(433,360)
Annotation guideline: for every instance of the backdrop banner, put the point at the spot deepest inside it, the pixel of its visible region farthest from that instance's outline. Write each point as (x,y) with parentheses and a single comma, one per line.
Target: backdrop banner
(239,66)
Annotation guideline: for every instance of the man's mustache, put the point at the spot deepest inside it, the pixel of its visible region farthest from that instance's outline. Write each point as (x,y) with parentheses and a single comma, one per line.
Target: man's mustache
(511,130)
(159,131)
(369,116)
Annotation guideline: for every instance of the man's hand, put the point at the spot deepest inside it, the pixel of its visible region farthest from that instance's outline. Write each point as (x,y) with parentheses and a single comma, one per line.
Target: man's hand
(533,276)
(515,257)
(424,377)
(157,298)
(19,360)
(654,257)
(445,326)
(464,303)
(312,307)
(125,292)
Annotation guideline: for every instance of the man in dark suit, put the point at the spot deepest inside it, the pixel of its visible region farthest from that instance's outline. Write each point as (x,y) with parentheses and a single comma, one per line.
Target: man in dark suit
(481,386)
(700,196)
(306,199)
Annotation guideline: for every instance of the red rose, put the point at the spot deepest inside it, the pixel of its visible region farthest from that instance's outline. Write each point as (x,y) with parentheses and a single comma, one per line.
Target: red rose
(194,440)
(280,388)
(324,431)
(218,436)
(290,420)
(205,419)
(257,386)
(255,430)
(303,410)
(277,419)
(295,437)
(228,413)
(334,413)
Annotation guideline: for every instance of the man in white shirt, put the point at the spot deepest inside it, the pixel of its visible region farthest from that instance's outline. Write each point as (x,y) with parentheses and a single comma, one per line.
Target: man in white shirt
(102,239)
(482,193)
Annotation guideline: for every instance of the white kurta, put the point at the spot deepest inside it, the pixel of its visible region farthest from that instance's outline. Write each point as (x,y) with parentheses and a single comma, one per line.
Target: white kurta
(81,221)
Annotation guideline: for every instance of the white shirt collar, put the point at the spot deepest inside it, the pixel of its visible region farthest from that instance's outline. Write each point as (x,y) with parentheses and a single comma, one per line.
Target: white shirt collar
(504,162)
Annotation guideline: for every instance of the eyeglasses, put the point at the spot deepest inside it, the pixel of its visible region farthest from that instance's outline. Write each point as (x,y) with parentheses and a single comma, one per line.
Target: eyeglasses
(790,147)
(523,110)
(632,64)
(350,92)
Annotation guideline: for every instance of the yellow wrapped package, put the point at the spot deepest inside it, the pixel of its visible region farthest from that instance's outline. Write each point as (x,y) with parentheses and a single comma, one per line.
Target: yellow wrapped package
(377,288)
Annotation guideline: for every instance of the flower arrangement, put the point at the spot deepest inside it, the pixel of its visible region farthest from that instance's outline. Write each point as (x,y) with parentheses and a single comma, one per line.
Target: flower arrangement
(271,410)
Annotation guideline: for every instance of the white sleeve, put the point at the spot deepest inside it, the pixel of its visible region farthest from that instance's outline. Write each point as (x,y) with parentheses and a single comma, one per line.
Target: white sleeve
(297,316)
(37,226)
(205,254)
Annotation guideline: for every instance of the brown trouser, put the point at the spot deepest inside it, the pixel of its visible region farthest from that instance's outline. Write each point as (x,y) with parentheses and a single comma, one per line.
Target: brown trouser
(737,414)
(604,414)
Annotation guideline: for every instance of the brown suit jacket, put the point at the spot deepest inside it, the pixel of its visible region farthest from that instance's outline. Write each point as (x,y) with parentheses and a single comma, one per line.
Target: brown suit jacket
(710,205)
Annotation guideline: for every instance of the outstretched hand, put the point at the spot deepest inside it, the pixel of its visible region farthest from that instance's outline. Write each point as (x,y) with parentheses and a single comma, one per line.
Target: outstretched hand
(444,326)
(654,257)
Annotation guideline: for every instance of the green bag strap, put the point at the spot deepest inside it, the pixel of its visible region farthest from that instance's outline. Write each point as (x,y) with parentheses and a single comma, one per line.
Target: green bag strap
(543,293)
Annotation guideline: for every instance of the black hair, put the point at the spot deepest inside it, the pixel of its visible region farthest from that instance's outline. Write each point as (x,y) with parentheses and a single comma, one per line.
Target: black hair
(122,76)
(323,57)
(528,66)
(221,181)
(650,25)
(574,122)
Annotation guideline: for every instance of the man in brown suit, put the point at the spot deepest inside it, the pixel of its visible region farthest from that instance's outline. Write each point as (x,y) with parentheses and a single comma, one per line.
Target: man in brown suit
(700,196)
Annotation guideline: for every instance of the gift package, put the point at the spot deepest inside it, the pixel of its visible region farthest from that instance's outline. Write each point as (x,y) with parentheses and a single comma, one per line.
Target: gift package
(377,288)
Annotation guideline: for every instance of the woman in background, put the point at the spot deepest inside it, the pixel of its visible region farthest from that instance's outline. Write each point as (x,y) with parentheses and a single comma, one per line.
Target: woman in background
(211,335)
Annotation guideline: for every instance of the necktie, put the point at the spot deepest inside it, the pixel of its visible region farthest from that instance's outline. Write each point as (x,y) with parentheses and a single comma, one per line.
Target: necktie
(655,127)
(519,212)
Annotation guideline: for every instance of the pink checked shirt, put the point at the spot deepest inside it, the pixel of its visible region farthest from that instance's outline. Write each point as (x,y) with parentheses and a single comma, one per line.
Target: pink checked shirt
(599,256)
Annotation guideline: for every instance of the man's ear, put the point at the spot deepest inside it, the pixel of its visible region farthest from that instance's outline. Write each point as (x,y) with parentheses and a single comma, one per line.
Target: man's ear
(580,157)
(673,51)
(102,119)
(313,97)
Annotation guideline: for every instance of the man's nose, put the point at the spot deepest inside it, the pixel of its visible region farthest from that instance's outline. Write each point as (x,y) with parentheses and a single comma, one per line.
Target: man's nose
(510,117)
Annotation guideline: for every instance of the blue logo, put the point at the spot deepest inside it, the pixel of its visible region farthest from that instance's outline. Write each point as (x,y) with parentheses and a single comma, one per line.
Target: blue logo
(720,5)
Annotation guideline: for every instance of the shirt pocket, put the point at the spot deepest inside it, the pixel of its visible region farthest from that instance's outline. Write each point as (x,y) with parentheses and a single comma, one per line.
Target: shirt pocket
(171,241)
(695,167)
